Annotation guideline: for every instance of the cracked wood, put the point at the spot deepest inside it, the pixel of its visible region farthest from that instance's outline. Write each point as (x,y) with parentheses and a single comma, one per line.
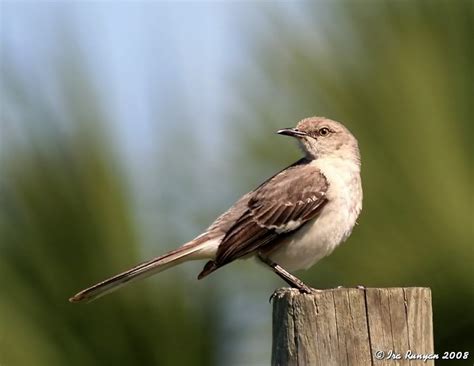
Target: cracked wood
(347,326)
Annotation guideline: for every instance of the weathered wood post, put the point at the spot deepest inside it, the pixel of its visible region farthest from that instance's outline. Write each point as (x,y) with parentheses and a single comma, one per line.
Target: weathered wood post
(349,326)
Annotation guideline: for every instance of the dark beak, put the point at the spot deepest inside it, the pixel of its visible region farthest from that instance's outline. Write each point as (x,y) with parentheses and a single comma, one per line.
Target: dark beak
(291,132)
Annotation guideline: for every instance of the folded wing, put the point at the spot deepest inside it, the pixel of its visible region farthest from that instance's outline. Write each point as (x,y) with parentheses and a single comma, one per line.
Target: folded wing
(278,207)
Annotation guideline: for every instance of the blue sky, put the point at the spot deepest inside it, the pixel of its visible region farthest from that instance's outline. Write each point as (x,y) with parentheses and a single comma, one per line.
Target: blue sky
(145,58)
(178,53)
(133,50)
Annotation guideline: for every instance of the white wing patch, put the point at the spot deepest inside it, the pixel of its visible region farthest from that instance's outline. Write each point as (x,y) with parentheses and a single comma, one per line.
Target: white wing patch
(289,226)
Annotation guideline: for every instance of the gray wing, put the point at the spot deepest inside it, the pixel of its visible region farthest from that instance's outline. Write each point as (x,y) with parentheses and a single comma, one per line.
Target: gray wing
(278,207)
(225,221)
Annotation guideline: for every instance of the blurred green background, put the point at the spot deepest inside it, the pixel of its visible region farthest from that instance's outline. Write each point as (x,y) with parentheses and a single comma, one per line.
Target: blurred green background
(127,128)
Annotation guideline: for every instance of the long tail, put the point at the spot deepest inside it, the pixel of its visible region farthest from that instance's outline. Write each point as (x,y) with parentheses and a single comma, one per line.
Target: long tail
(143,270)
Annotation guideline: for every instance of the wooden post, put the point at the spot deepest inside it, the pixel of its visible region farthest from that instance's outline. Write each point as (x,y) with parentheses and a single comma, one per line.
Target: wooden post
(349,326)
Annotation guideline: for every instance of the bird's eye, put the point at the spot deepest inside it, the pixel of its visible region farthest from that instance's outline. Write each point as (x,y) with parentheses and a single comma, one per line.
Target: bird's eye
(324,131)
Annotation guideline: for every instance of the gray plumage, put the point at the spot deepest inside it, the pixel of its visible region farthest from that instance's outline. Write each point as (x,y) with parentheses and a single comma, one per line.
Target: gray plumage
(291,220)
(275,209)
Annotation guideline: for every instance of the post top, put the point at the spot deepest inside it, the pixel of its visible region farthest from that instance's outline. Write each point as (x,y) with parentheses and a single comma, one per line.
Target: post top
(293,292)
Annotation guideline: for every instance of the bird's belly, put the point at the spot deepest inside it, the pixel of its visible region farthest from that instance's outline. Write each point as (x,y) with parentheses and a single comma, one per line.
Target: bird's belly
(317,239)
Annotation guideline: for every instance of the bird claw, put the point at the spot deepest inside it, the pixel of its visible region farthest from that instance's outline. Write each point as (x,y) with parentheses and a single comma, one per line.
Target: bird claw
(359,287)
(275,293)
(302,288)
(305,289)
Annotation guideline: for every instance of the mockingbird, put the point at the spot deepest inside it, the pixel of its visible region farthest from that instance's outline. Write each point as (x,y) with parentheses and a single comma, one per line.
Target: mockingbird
(289,222)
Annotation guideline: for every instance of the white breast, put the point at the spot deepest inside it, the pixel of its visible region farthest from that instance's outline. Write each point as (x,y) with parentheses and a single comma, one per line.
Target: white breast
(319,237)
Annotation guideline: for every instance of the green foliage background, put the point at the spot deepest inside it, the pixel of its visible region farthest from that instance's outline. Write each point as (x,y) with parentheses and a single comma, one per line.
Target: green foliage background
(398,73)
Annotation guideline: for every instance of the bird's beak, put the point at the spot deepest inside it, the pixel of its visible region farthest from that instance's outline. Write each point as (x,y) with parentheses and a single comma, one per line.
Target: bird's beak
(291,132)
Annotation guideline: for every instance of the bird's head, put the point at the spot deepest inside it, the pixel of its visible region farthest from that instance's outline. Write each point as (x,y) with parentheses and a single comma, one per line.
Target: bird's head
(321,137)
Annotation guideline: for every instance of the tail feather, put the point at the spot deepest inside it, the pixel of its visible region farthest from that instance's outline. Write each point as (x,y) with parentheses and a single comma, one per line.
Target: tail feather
(143,270)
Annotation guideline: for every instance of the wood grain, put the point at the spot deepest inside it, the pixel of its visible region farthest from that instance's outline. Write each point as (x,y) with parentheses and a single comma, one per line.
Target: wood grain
(349,326)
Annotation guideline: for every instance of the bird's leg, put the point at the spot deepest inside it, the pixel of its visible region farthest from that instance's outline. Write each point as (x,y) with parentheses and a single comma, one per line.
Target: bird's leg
(293,281)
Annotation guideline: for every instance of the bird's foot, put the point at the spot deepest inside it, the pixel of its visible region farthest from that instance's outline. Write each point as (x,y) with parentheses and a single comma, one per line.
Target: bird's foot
(276,293)
(359,287)
(303,288)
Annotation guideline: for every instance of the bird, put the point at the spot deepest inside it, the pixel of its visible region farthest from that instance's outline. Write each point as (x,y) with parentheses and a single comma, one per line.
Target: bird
(289,222)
